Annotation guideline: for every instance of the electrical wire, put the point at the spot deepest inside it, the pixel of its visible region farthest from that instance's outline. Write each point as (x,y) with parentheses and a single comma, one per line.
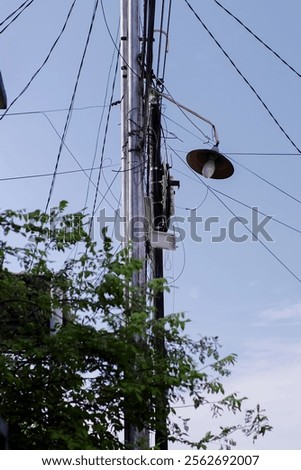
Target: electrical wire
(174,280)
(44,62)
(25,5)
(43,175)
(191,209)
(259,39)
(117,47)
(59,110)
(238,202)
(241,203)
(257,154)
(73,156)
(83,108)
(208,139)
(14,12)
(105,139)
(246,168)
(254,236)
(264,154)
(254,173)
(259,212)
(167,146)
(102,116)
(184,128)
(167,42)
(71,103)
(244,78)
(265,180)
(160,36)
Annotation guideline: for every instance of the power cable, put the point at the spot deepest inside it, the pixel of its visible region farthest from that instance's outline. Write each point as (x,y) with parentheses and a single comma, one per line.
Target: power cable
(257,154)
(14,12)
(74,158)
(259,39)
(175,279)
(191,209)
(235,200)
(108,189)
(102,116)
(71,103)
(43,175)
(44,62)
(266,181)
(105,139)
(247,169)
(160,36)
(59,110)
(171,284)
(184,128)
(241,203)
(144,37)
(117,47)
(244,78)
(264,154)
(259,212)
(245,226)
(25,5)
(254,173)
(172,100)
(83,108)
(167,36)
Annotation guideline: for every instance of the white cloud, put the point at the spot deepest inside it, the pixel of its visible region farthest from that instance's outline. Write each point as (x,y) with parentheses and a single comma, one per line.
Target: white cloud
(286,314)
(268,374)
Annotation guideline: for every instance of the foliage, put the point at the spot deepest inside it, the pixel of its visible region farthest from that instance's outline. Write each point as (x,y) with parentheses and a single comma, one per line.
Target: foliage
(68,390)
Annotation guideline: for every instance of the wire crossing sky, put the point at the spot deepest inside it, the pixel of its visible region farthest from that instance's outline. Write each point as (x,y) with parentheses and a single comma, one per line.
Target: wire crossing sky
(60,140)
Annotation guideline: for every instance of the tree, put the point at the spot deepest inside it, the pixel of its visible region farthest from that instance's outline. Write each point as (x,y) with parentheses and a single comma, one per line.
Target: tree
(68,390)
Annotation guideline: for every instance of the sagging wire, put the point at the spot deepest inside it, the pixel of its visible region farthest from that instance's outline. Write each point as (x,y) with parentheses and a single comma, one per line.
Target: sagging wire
(68,119)
(259,39)
(254,236)
(244,78)
(17,12)
(44,62)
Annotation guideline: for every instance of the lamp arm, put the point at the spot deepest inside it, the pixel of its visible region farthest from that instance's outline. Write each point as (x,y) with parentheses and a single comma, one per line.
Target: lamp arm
(182,106)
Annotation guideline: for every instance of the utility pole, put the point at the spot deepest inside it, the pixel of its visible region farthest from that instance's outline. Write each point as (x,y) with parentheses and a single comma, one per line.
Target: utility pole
(140,135)
(132,164)
(160,193)
(158,225)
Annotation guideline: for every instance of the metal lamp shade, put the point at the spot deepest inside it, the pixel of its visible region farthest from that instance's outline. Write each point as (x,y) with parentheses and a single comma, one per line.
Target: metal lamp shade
(196,159)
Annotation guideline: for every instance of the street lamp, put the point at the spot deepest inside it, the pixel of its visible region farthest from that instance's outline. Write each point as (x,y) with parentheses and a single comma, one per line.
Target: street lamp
(210,163)
(3,99)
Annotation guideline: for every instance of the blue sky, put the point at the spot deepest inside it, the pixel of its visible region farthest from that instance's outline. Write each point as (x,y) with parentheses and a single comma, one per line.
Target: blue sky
(238,291)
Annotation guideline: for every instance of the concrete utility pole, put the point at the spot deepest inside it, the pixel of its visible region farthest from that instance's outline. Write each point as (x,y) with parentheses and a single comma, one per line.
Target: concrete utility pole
(131,110)
(140,135)
(132,162)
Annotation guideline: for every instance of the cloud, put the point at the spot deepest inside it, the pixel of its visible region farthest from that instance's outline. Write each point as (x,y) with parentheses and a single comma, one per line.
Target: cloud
(285,314)
(268,373)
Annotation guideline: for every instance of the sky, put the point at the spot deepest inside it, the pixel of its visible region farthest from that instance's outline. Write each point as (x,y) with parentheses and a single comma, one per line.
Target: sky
(232,284)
